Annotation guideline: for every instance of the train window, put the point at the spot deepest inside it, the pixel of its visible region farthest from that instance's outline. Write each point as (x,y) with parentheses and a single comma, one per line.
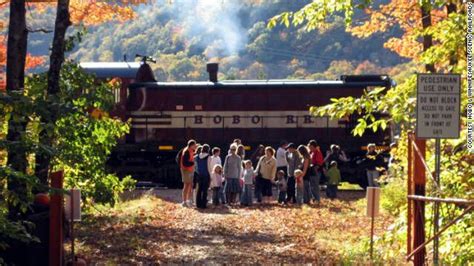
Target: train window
(179,107)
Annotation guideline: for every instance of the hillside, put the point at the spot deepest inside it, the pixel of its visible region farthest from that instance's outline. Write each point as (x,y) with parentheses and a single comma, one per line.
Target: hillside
(183,35)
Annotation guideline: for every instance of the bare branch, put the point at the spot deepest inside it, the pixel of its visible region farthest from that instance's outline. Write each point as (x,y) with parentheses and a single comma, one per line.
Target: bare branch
(39,30)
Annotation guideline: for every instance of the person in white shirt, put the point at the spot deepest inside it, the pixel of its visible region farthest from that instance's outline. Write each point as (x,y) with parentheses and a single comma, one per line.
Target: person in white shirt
(214,159)
(281,162)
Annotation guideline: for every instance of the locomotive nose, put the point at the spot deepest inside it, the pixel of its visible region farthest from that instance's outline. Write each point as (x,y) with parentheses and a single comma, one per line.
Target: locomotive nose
(212,69)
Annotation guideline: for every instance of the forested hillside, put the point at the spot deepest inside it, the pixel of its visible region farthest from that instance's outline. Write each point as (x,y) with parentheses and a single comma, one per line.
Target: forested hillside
(183,35)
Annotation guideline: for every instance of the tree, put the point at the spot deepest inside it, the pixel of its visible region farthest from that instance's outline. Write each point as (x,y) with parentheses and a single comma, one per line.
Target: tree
(21,108)
(56,60)
(433,36)
(84,12)
(16,58)
(415,18)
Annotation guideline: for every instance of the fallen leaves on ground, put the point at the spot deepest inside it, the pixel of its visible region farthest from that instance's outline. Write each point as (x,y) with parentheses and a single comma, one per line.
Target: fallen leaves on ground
(156,229)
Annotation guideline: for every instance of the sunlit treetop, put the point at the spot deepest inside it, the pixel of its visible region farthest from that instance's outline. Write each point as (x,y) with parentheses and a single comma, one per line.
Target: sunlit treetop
(87,13)
(90,13)
(402,14)
(405,14)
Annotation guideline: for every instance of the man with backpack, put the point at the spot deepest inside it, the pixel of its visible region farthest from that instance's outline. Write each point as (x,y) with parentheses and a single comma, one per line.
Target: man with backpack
(186,165)
(203,176)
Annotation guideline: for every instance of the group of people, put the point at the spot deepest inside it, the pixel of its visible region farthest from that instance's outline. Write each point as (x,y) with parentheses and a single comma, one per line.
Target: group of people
(295,171)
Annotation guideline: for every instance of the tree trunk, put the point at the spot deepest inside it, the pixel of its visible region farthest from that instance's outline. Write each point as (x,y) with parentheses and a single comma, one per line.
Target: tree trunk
(16,57)
(56,60)
(420,187)
(59,44)
(451,8)
(427,38)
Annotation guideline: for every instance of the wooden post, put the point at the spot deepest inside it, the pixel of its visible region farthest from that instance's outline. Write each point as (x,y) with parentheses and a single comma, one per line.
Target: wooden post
(56,221)
(419,210)
(372,217)
(410,192)
(72,229)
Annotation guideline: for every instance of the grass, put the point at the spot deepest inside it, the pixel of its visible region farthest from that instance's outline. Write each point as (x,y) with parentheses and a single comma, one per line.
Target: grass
(348,186)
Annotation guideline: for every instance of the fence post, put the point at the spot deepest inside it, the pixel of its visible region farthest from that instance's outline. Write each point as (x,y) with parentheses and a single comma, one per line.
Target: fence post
(419,210)
(410,192)
(56,221)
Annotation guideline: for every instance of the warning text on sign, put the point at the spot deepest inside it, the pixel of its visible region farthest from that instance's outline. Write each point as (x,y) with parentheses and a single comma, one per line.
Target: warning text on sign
(438,106)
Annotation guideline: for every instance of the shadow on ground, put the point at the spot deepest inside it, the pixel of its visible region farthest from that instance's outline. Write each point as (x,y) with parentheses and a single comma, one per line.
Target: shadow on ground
(207,245)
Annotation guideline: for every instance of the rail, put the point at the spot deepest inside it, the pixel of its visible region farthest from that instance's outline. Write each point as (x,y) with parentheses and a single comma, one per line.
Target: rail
(466,211)
(442,200)
(416,220)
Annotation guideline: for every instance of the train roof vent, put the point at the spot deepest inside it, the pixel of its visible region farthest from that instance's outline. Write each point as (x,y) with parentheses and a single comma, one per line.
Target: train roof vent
(365,78)
(213,69)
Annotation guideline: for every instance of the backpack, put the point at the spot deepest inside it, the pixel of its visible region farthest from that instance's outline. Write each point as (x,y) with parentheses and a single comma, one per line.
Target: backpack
(202,166)
(178,156)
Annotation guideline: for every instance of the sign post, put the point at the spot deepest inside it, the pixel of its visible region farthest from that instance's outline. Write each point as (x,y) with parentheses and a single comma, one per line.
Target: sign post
(56,250)
(438,115)
(373,200)
(73,213)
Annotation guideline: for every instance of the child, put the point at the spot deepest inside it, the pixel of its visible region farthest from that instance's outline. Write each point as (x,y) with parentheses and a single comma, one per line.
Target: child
(214,159)
(299,186)
(249,175)
(216,185)
(282,187)
(334,177)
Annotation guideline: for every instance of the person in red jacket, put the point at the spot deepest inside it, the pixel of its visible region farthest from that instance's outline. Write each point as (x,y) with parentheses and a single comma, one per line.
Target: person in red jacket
(317,162)
(186,166)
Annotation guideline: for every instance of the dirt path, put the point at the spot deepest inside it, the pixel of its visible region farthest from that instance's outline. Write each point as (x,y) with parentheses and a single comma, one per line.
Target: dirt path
(156,229)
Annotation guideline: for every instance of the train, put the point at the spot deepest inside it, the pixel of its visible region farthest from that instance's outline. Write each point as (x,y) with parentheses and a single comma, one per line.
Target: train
(165,115)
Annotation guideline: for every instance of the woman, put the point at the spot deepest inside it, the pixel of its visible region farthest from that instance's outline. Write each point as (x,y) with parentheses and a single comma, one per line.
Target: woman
(306,163)
(232,173)
(259,152)
(293,159)
(241,151)
(241,154)
(255,158)
(203,176)
(267,169)
(186,165)
(372,160)
(336,154)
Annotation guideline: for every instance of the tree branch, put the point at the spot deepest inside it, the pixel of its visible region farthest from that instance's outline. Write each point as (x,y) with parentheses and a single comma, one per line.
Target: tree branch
(38,30)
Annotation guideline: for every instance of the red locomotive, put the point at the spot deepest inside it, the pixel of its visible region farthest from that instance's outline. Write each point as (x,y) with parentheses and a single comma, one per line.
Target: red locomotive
(165,115)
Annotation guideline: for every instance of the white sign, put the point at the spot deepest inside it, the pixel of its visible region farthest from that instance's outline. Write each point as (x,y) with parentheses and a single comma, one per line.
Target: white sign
(373,201)
(438,106)
(76,205)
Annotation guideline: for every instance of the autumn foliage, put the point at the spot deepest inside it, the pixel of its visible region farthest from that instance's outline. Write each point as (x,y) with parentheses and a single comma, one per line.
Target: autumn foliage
(405,14)
(87,13)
